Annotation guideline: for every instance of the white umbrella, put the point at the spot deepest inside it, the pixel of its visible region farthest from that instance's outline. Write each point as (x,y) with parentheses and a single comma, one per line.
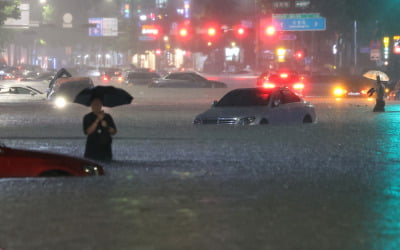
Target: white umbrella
(372,74)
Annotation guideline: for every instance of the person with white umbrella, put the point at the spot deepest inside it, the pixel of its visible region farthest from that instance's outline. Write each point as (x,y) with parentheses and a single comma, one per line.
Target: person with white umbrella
(379,76)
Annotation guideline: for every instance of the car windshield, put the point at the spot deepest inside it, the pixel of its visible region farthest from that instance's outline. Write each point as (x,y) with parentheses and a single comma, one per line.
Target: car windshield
(34,90)
(283,77)
(245,97)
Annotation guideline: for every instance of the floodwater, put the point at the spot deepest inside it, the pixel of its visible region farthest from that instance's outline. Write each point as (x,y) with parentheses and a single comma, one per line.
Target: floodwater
(330,185)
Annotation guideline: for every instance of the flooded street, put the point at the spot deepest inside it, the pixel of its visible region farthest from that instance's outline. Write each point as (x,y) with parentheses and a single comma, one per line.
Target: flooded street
(330,185)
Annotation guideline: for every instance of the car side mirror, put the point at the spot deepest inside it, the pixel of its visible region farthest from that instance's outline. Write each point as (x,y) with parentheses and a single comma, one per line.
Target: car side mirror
(276,103)
(33,93)
(215,103)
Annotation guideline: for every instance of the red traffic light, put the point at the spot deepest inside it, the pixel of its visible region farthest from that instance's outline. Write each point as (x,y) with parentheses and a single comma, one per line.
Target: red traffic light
(240,31)
(212,32)
(299,55)
(270,30)
(183,32)
(158,52)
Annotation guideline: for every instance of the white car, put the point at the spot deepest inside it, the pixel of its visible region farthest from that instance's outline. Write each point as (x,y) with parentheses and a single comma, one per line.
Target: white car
(251,106)
(15,92)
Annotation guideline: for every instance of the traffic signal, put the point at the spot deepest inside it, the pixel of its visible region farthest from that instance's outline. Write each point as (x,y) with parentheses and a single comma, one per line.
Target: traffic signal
(270,30)
(299,55)
(212,32)
(183,32)
(240,31)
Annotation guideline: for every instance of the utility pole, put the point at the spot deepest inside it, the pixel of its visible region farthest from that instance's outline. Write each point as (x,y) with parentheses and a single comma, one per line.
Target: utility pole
(256,25)
(355,44)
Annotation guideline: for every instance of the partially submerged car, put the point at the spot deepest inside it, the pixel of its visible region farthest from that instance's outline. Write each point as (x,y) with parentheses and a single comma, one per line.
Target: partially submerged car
(14,91)
(141,78)
(253,106)
(186,80)
(65,89)
(30,163)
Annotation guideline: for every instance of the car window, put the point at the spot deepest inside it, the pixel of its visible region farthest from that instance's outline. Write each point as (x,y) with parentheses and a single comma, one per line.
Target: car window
(246,97)
(23,91)
(34,90)
(289,97)
(172,76)
(198,77)
(139,75)
(179,77)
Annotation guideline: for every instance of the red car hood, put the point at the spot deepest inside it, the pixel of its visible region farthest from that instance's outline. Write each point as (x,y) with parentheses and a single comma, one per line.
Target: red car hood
(55,157)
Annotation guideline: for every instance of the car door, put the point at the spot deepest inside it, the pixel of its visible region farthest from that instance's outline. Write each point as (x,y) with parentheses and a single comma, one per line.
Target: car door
(187,81)
(278,112)
(23,94)
(295,109)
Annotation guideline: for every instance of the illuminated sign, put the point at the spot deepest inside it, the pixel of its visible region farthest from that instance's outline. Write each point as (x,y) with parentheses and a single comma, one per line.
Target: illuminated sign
(150,30)
(396,44)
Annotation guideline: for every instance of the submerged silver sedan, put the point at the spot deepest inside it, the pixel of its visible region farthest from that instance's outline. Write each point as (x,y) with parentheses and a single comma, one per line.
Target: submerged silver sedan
(13,91)
(251,106)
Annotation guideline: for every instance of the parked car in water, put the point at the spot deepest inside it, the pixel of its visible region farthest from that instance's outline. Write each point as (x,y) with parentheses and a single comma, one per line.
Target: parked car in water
(30,163)
(349,86)
(65,89)
(38,76)
(14,91)
(141,78)
(282,78)
(110,75)
(186,80)
(252,106)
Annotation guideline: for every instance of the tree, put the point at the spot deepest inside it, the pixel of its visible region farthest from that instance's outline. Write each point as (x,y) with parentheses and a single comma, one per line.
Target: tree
(9,9)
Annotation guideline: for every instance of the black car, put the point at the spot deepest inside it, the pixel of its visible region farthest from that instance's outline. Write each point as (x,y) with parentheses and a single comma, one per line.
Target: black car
(186,80)
(66,88)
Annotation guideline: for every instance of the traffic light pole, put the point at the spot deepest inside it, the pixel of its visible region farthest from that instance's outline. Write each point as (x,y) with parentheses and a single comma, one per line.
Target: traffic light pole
(257,37)
(257,44)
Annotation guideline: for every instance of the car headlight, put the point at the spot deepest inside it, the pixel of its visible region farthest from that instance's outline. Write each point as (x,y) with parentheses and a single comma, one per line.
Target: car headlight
(247,120)
(339,91)
(92,169)
(60,102)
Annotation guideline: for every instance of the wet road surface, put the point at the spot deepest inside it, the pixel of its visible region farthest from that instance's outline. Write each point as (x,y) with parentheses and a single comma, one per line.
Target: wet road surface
(330,185)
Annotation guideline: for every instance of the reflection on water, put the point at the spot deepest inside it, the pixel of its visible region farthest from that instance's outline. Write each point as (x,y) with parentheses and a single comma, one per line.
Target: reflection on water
(386,205)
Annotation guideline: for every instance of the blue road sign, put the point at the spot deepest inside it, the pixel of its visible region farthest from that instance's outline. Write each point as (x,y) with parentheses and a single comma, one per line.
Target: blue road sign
(300,24)
(98,30)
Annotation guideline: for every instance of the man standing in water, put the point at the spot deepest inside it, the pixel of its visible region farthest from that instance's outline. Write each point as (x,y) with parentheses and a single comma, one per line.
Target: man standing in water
(99,127)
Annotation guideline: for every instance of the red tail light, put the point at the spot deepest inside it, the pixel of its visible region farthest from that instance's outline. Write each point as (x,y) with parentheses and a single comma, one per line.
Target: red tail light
(284,75)
(268,85)
(298,86)
(105,78)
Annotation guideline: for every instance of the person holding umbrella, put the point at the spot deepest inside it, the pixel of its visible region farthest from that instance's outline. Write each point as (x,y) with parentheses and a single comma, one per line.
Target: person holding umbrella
(97,125)
(99,128)
(379,90)
(380,94)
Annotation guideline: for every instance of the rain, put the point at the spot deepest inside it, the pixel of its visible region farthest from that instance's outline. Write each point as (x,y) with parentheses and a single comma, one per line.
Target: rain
(172,184)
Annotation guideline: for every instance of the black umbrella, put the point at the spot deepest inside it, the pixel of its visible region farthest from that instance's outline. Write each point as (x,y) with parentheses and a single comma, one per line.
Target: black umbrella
(109,95)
